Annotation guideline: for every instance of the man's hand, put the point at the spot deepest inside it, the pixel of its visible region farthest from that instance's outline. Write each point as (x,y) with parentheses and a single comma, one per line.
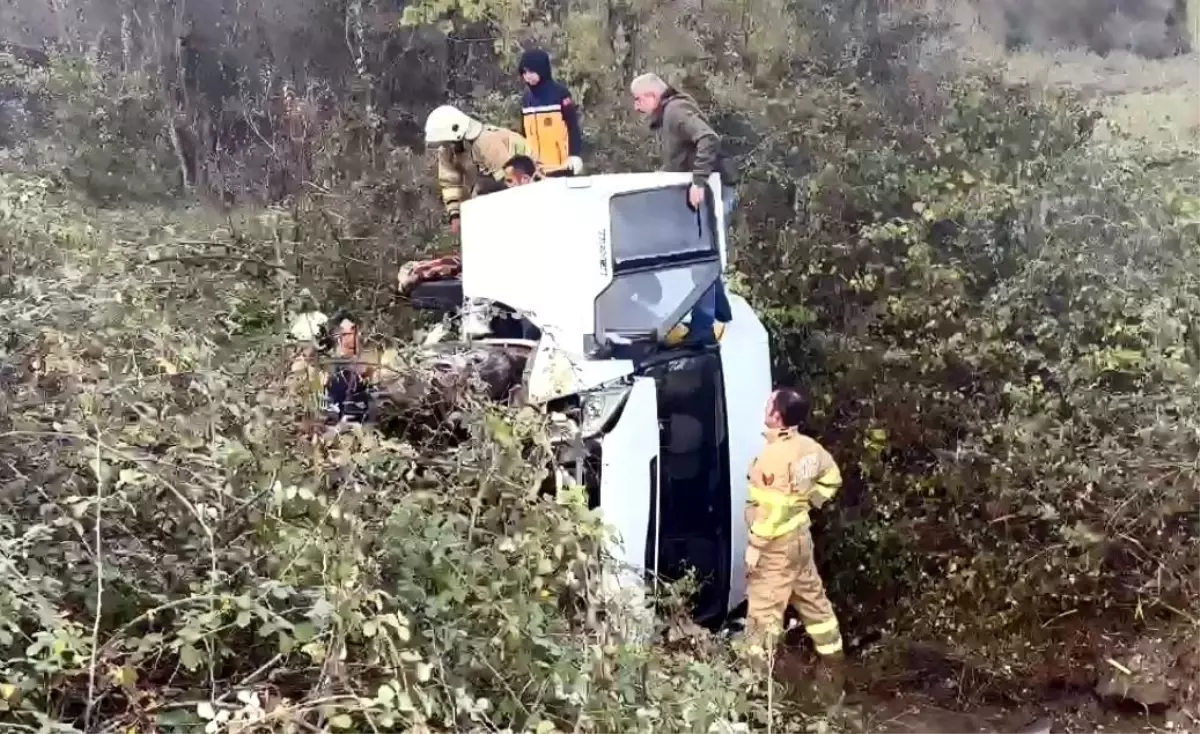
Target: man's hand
(696,196)
(752,556)
(575,163)
(454,225)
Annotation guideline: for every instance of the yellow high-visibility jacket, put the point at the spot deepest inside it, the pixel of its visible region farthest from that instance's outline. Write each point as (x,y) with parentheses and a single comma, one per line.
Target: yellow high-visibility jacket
(792,474)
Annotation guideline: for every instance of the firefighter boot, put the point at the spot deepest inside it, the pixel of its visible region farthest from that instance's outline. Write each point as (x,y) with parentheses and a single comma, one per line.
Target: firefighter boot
(830,683)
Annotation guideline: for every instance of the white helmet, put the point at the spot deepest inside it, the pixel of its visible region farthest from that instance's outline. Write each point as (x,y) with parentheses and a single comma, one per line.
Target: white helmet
(447,124)
(307,326)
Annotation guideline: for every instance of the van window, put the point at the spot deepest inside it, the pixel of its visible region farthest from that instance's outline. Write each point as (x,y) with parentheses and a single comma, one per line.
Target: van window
(653,300)
(659,223)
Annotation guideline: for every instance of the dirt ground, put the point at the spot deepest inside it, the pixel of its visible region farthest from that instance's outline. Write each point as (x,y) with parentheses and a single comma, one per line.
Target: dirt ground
(932,694)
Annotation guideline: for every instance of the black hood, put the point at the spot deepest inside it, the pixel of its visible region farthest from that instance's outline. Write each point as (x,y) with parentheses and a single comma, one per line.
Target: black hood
(536,60)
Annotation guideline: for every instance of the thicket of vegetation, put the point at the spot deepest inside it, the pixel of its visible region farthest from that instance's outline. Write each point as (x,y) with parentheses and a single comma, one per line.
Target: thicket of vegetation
(998,319)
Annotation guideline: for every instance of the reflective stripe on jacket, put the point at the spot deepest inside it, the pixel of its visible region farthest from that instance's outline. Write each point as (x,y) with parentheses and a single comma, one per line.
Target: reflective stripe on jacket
(792,474)
(547,132)
(459,172)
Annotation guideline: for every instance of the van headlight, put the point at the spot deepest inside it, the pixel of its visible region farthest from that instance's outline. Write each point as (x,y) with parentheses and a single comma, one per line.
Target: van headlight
(598,409)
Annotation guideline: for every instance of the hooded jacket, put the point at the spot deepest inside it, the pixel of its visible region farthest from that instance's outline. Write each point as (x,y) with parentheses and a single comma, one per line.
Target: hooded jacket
(687,143)
(549,115)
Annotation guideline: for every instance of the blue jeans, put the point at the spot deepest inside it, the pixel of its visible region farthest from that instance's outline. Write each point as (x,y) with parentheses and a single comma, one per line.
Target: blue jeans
(713,306)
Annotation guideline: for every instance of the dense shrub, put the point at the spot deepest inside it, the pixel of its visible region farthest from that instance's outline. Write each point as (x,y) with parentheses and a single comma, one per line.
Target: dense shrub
(994,315)
(176,554)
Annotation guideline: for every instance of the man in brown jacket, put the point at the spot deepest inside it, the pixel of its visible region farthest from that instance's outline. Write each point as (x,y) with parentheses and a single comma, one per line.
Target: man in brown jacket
(688,144)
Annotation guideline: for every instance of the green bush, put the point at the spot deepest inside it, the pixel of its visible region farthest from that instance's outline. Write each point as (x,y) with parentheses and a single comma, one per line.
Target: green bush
(998,327)
(994,315)
(105,132)
(177,555)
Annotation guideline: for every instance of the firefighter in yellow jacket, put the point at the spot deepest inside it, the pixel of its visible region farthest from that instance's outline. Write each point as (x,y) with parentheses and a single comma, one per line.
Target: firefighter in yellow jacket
(471,156)
(793,474)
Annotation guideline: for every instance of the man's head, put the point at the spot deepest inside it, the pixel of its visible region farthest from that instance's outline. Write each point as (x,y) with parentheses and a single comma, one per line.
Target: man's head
(786,408)
(339,334)
(648,91)
(346,333)
(519,170)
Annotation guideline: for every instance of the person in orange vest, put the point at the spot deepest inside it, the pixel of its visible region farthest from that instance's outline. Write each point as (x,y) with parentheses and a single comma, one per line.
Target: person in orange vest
(792,475)
(550,116)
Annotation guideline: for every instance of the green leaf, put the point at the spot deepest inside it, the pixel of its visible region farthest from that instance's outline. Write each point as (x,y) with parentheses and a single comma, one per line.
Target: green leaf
(190,657)
(385,695)
(500,430)
(341,721)
(304,632)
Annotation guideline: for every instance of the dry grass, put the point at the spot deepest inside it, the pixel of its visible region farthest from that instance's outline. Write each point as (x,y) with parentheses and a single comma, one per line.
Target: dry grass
(1156,100)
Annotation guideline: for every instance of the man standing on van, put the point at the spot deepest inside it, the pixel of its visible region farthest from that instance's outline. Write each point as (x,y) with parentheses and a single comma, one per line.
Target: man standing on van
(688,144)
(550,116)
(792,475)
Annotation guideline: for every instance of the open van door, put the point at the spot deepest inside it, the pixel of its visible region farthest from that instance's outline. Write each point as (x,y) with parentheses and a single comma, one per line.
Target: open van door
(665,255)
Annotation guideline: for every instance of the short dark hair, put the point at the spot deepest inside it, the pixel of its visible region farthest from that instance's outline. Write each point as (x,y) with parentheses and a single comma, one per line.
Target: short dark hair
(522,163)
(791,406)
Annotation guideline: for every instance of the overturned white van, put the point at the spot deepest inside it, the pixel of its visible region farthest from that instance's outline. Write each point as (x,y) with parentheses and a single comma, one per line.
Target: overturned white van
(589,275)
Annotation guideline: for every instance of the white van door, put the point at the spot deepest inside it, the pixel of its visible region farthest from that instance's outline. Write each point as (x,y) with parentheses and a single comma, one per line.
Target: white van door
(746,366)
(664,256)
(629,481)
(629,476)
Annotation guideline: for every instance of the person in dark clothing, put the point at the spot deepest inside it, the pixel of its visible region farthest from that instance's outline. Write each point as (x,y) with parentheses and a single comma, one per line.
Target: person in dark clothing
(689,145)
(549,115)
(348,389)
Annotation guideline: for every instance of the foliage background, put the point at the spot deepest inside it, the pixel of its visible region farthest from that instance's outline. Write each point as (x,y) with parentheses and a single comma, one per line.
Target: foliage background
(990,293)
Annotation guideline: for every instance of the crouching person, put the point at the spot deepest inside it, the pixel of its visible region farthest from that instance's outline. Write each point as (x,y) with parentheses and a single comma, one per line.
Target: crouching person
(471,156)
(347,386)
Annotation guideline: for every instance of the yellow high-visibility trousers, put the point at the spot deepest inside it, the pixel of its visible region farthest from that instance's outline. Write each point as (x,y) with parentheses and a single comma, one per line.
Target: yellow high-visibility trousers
(783,572)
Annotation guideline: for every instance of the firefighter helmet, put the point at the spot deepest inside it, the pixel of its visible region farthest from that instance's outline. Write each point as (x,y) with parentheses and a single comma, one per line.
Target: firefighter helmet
(448,124)
(308,326)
